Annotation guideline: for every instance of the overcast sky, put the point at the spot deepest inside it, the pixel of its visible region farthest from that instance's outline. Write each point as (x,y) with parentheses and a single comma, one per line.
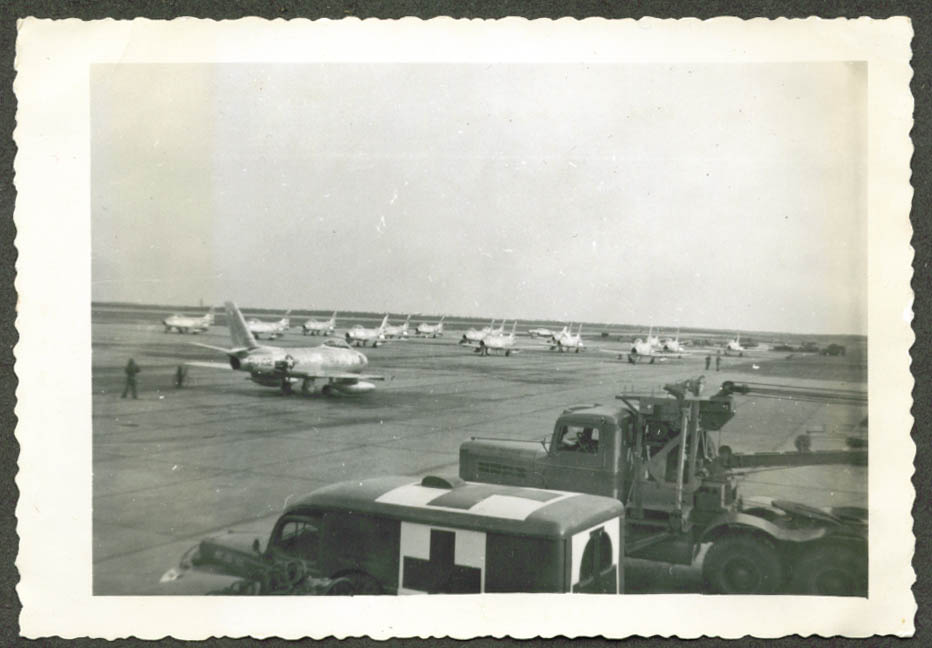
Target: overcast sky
(716,195)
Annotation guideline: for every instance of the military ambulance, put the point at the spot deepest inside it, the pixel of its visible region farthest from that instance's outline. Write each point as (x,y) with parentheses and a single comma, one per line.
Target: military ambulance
(438,535)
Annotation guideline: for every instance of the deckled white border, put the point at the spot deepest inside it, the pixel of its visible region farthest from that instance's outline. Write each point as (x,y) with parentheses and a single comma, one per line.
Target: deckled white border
(53,282)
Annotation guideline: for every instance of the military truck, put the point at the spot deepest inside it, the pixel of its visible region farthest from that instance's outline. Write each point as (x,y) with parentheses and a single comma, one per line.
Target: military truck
(655,454)
(437,535)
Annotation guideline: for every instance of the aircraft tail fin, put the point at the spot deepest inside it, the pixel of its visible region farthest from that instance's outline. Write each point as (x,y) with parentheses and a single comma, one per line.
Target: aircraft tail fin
(513,328)
(383,324)
(209,317)
(239,333)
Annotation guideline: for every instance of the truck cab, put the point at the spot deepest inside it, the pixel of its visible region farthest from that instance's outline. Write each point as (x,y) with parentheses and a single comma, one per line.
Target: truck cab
(655,454)
(438,535)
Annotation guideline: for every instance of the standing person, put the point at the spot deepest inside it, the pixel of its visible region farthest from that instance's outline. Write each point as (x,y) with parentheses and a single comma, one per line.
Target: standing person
(718,361)
(131,370)
(708,361)
(180,374)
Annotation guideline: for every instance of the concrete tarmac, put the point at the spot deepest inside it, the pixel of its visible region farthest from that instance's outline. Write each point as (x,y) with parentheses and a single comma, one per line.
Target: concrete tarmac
(221,452)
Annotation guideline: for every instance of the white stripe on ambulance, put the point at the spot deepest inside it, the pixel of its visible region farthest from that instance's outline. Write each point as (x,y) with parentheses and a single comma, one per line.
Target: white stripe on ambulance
(509,507)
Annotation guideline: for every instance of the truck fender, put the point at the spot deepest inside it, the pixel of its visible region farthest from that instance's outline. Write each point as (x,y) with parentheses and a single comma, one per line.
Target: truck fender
(736,520)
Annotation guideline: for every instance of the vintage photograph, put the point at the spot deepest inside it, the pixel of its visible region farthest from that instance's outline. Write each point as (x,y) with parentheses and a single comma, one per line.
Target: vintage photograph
(452,327)
(513,296)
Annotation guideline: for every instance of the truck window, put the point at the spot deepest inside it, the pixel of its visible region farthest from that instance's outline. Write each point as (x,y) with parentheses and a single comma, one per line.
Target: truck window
(597,571)
(576,438)
(298,536)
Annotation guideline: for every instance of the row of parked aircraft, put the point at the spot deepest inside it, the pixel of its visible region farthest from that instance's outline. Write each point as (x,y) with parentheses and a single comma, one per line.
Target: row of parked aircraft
(272,330)
(336,367)
(652,347)
(495,338)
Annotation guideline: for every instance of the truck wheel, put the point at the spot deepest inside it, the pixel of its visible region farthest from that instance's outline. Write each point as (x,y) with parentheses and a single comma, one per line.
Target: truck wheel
(831,571)
(742,565)
(341,587)
(363,583)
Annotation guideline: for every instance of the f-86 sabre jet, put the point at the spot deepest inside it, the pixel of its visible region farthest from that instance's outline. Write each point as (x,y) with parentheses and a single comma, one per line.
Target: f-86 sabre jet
(566,341)
(361,336)
(336,366)
(400,331)
(499,342)
(187,324)
(425,329)
(672,345)
(474,336)
(320,327)
(733,347)
(271,330)
(541,332)
(646,350)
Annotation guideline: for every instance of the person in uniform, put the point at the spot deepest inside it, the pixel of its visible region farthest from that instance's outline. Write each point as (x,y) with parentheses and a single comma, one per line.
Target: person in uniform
(180,374)
(131,370)
(708,361)
(718,361)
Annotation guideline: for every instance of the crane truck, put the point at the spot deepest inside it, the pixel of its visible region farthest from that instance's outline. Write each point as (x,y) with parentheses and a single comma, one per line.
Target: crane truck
(655,453)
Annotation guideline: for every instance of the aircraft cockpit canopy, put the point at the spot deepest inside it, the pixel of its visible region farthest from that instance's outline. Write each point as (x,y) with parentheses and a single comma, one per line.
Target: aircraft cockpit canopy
(336,342)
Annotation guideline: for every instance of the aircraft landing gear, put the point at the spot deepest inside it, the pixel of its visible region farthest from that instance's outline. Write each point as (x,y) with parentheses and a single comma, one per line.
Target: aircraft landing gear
(307,385)
(286,387)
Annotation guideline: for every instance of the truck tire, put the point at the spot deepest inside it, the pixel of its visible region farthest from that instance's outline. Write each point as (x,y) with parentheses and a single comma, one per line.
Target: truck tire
(831,571)
(363,583)
(341,587)
(742,564)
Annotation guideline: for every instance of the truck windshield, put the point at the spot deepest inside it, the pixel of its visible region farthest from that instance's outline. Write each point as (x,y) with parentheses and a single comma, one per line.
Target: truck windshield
(576,438)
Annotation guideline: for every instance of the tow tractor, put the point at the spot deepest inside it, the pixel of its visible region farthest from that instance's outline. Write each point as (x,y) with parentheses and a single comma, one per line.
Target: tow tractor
(655,453)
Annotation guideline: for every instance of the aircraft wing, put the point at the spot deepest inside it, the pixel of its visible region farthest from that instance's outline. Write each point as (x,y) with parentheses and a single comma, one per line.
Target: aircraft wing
(539,347)
(209,365)
(679,354)
(334,375)
(614,351)
(221,349)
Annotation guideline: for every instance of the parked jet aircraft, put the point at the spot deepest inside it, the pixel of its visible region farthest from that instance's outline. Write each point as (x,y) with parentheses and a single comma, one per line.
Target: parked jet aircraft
(474,335)
(640,350)
(188,324)
(334,363)
(361,336)
(430,330)
(321,327)
(733,347)
(673,346)
(271,330)
(541,332)
(498,341)
(566,341)
(652,340)
(400,331)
